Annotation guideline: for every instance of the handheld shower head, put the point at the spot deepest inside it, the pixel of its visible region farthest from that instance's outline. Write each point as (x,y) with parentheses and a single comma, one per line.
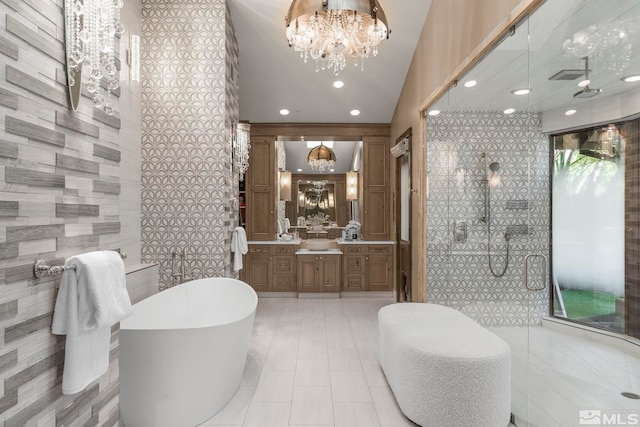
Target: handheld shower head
(494,167)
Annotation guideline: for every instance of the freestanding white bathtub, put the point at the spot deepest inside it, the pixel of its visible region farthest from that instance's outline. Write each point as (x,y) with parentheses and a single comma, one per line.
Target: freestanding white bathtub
(183,351)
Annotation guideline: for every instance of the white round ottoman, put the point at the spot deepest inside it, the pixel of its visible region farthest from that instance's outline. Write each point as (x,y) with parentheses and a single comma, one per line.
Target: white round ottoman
(444,369)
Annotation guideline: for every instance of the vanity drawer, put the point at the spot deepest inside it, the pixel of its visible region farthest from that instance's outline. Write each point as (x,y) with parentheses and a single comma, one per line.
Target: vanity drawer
(380,249)
(354,264)
(285,250)
(258,249)
(354,249)
(284,264)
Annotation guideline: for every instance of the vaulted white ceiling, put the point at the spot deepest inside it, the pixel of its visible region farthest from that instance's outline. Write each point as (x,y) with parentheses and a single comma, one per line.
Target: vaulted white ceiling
(273,76)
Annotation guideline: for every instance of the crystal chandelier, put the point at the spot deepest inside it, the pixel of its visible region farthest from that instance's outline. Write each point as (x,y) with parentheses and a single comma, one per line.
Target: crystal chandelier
(241,143)
(91,28)
(321,158)
(331,31)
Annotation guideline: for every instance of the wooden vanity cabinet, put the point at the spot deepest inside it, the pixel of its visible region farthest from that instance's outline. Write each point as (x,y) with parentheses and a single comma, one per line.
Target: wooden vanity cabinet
(354,267)
(368,267)
(318,273)
(270,268)
(257,268)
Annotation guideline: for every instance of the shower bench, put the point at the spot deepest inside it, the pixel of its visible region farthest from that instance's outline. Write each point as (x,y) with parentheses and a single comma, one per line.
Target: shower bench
(443,368)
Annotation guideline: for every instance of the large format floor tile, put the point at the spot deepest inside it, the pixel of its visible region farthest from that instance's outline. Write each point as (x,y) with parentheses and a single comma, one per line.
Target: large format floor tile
(314,363)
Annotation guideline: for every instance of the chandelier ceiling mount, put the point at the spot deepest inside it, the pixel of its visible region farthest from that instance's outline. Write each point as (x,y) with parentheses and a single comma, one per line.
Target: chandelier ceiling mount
(332,31)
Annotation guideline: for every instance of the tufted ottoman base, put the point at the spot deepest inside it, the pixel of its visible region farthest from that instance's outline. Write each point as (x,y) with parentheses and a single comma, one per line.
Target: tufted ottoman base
(444,369)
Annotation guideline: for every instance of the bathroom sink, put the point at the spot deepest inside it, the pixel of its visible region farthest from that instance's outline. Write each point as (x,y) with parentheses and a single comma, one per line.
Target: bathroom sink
(318,244)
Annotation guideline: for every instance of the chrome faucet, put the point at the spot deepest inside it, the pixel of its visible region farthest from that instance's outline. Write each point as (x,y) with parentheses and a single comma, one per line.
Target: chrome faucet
(180,277)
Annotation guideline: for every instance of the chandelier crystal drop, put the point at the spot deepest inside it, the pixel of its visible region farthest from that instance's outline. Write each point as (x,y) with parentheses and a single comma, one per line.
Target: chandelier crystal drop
(92,27)
(241,143)
(332,31)
(321,158)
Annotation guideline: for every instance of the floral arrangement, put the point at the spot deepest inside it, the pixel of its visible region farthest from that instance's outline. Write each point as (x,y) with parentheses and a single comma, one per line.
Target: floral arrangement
(318,218)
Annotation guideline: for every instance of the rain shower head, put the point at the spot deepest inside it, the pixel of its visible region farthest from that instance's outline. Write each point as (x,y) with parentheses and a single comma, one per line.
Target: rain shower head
(586,91)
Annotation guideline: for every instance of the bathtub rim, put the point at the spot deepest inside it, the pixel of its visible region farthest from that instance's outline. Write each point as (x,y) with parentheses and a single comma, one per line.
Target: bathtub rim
(252,305)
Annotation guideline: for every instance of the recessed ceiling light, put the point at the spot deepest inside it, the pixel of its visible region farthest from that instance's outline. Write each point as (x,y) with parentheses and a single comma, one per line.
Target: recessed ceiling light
(521,91)
(470,83)
(284,112)
(629,79)
(569,112)
(433,112)
(299,170)
(509,111)
(332,170)
(338,84)
(355,112)
(584,83)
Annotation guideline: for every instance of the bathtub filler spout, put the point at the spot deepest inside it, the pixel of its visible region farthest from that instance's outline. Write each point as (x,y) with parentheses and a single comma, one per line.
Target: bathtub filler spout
(180,276)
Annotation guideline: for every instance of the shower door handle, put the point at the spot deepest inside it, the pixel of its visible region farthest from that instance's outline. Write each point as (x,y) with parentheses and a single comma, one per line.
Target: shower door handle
(526,272)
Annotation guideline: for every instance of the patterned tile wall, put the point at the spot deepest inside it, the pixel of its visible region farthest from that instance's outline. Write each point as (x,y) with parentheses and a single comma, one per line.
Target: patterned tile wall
(189,100)
(458,272)
(59,186)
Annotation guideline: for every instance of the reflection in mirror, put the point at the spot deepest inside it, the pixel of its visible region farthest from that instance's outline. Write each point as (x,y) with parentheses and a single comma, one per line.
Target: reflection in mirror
(316,202)
(325,203)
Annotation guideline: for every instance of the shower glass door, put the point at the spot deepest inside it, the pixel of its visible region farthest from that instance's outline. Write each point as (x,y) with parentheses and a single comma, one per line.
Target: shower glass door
(488,205)
(509,175)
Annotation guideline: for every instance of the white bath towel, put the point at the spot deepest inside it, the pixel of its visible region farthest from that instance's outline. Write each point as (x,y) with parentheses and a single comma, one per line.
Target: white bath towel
(239,247)
(92,298)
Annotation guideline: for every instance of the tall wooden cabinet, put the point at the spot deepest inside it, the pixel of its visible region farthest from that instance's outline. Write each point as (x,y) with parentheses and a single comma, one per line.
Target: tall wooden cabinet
(261,189)
(375,187)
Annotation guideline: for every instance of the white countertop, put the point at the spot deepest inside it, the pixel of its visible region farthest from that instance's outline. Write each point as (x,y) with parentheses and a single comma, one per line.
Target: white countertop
(331,251)
(275,242)
(365,242)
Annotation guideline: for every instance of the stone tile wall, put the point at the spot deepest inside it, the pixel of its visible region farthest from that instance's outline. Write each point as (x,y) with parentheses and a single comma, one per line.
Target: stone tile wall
(189,101)
(458,271)
(59,190)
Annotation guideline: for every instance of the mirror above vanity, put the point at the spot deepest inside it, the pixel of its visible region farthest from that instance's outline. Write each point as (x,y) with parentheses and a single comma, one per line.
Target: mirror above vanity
(317,205)
(281,186)
(275,173)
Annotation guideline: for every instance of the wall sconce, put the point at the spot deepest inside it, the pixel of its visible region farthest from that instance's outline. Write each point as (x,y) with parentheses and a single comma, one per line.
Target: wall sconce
(285,185)
(301,199)
(134,59)
(91,27)
(241,143)
(352,185)
(332,201)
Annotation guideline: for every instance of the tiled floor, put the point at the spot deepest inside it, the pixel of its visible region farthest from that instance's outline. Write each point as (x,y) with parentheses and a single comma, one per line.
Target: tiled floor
(314,362)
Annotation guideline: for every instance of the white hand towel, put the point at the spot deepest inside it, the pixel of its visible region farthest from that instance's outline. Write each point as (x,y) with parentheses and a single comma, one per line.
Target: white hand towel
(91,299)
(239,247)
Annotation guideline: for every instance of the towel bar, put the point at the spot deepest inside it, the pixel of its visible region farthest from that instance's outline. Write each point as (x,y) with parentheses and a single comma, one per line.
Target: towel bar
(41,269)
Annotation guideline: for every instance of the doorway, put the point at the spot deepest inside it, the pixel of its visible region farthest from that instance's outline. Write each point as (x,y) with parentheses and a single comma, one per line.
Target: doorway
(402,152)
